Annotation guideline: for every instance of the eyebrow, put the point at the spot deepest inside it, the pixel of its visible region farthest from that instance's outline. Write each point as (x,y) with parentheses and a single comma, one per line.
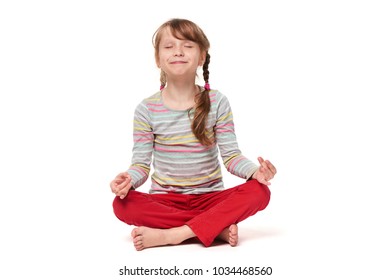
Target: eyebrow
(184,41)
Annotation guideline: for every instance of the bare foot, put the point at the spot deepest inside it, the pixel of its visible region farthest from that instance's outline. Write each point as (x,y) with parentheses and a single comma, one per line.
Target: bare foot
(146,237)
(230,235)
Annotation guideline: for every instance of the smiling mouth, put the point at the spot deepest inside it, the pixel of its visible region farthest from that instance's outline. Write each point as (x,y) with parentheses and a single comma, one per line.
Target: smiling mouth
(178,62)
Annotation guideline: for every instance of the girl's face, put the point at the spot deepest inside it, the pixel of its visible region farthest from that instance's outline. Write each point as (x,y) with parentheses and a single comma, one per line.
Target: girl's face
(178,57)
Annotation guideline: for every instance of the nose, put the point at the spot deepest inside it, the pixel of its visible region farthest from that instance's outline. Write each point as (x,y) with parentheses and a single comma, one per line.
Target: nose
(178,51)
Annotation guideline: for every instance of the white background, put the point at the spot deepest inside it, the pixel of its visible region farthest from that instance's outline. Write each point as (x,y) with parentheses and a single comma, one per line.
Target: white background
(307,81)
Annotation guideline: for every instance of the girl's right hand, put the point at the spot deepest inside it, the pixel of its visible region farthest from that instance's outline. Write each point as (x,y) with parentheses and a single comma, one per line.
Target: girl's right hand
(121,184)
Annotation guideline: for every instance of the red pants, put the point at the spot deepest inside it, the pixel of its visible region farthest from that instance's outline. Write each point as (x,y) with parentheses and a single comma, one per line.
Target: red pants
(206,214)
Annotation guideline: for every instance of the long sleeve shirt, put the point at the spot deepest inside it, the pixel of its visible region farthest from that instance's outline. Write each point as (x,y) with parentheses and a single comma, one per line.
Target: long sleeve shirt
(181,164)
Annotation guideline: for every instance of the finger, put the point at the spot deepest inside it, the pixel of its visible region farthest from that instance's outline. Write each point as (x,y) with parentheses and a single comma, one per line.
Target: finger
(265,165)
(261,177)
(122,194)
(271,167)
(122,179)
(262,164)
(261,160)
(267,173)
(114,186)
(123,184)
(117,188)
(118,180)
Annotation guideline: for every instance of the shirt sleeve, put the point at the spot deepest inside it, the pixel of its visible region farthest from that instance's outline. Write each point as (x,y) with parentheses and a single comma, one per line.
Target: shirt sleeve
(232,157)
(143,138)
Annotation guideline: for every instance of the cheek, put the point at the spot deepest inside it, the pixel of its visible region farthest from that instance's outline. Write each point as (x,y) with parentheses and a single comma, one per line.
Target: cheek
(160,60)
(163,56)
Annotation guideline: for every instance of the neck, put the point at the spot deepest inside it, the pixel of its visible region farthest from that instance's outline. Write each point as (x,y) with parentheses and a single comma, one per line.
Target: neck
(181,91)
(180,96)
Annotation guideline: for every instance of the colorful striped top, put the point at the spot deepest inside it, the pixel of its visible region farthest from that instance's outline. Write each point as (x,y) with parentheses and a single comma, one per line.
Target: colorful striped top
(181,164)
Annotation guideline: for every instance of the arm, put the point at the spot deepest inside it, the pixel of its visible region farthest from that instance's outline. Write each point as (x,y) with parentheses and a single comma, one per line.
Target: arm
(142,148)
(233,160)
(232,157)
(138,171)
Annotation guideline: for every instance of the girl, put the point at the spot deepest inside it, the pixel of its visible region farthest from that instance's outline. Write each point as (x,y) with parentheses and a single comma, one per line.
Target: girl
(182,127)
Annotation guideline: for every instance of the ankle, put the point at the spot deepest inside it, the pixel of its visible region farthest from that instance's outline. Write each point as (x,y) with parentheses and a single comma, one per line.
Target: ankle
(178,234)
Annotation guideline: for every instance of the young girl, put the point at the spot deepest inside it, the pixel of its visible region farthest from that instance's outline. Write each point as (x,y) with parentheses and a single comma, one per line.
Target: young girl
(182,127)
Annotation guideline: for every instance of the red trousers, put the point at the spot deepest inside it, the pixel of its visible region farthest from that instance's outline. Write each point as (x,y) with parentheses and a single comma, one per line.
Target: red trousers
(206,214)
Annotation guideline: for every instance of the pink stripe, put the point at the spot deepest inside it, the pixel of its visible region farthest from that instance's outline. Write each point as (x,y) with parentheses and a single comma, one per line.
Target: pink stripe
(158,111)
(141,140)
(234,163)
(226,130)
(183,145)
(180,151)
(223,125)
(139,169)
(143,134)
(153,104)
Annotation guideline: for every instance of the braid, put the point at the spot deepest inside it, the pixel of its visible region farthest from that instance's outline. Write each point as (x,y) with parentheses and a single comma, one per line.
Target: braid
(163,79)
(206,68)
(202,109)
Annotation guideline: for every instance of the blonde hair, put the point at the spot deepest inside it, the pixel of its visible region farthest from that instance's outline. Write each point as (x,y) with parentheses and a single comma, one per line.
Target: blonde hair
(185,29)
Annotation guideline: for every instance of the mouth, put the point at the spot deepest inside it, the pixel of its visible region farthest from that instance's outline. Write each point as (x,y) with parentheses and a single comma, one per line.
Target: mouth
(178,62)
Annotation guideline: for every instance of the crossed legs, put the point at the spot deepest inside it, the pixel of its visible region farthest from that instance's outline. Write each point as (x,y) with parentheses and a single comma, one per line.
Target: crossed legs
(169,219)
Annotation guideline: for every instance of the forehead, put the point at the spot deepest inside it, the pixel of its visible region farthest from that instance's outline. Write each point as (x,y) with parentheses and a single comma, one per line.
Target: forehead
(166,34)
(172,34)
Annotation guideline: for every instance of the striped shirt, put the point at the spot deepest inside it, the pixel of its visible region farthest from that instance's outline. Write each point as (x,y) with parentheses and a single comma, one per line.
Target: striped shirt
(181,164)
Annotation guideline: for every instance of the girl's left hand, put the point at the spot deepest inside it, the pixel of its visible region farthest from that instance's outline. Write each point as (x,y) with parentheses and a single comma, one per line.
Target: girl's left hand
(265,172)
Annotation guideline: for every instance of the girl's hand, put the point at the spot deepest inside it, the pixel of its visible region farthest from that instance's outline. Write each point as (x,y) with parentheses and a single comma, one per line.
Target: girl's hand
(265,172)
(121,184)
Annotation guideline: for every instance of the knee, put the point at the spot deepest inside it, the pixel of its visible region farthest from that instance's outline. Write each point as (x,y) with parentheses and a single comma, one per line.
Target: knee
(260,194)
(123,209)
(119,206)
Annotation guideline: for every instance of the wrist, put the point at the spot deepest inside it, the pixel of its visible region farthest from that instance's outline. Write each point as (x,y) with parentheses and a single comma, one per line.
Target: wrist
(253,176)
